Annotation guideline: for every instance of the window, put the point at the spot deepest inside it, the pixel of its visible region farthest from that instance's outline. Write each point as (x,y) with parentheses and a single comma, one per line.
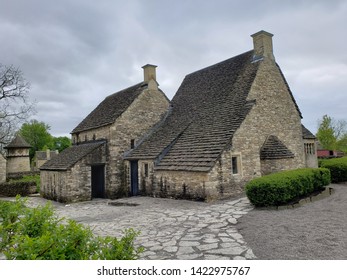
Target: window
(310,149)
(146,169)
(234,165)
(132,143)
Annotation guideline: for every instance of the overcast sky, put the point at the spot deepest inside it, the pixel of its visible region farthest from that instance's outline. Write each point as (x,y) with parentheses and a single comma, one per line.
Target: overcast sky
(75,53)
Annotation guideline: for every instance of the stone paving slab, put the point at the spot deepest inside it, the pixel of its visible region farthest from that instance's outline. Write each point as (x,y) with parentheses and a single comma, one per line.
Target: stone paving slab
(170,229)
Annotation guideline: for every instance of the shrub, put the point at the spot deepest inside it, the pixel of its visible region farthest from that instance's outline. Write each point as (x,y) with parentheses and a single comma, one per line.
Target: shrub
(31,179)
(282,187)
(337,167)
(38,234)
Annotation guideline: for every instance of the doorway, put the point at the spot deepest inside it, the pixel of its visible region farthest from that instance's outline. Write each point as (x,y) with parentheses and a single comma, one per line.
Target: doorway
(98,181)
(134,177)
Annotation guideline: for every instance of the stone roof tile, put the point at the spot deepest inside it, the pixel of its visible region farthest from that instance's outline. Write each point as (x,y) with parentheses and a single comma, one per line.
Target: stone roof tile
(18,142)
(110,108)
(273,148)
(207,109)
(70,156)
(306,134)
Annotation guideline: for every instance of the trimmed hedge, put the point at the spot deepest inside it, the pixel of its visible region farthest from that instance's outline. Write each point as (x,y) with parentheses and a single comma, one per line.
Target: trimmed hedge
(282,187)
(337,167)
(14,188)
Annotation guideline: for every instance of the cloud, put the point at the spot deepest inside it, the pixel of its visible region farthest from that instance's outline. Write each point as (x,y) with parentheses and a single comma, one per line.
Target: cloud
(75,53)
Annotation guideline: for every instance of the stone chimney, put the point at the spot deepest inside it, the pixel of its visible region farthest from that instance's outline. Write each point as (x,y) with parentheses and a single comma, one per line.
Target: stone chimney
(150,77)
(262,42)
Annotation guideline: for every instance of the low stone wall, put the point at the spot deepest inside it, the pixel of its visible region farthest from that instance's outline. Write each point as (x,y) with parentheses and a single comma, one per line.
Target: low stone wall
(12,189)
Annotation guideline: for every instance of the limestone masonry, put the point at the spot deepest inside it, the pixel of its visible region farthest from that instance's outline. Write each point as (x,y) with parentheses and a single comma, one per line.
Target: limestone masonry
(227,124)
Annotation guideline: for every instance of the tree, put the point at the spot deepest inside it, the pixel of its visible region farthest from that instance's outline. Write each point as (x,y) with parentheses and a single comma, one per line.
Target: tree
(332,133)
(61,143)
(342,143)
(15,106)
(37,135)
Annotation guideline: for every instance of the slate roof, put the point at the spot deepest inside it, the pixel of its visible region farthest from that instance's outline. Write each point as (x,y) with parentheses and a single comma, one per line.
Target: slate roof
(110,108)
(207,109)
(70,156)
(18,142)
(273,148)
(306,134)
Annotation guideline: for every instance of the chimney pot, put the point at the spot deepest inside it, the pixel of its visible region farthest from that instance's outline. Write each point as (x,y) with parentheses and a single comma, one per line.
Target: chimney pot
(149,73)
(262,42)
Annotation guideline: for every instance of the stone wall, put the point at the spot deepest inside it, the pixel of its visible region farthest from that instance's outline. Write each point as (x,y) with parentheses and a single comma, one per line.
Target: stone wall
(310,148)
(274,113)
(2,169)
(147,110)
(92,134)
(269,166)
(18,160)
(173,184)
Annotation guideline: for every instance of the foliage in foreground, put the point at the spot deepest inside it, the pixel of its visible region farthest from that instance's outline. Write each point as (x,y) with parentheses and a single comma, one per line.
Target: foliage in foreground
(337,167)
(38,234)
(282,187)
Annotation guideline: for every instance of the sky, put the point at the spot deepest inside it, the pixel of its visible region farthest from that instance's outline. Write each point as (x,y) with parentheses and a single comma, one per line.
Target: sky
(75,53)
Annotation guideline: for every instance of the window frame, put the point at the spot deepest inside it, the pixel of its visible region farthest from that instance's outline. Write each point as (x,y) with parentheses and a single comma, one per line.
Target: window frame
(238,166)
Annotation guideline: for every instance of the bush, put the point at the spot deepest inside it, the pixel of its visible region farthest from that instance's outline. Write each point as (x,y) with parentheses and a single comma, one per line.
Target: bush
(32,179)
(14,188)
(337,167)
(282,187)
(38,234)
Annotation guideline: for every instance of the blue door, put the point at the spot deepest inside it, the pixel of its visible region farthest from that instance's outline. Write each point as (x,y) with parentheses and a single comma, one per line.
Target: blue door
(134,177)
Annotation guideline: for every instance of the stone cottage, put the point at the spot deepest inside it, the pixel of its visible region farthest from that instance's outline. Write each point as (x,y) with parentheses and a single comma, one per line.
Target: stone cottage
(227,124)
(94,166)
(18,160)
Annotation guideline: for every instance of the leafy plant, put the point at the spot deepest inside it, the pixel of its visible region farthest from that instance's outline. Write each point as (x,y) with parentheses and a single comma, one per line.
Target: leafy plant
(38,234)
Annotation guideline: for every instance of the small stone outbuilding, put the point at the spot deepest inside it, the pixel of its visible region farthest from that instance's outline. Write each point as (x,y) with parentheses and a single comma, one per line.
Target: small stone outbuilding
(18,159)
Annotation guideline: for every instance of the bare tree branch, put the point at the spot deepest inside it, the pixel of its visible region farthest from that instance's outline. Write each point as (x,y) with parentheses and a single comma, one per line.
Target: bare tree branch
(15,106)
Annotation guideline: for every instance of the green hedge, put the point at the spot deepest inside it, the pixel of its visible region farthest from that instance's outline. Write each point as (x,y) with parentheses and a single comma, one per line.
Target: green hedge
(282,187)
(14,188)
(337,167)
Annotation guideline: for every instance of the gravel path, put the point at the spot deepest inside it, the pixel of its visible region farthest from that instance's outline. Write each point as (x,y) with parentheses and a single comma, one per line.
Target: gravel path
(316,230)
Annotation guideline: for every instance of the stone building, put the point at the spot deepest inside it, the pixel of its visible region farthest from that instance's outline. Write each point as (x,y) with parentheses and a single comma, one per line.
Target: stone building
(18,160)
(310,148)
(227,124)
(2,169)
(94,166)
(41,157)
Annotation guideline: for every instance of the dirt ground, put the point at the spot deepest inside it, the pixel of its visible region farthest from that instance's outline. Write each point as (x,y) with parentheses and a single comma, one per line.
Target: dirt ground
(316,230)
